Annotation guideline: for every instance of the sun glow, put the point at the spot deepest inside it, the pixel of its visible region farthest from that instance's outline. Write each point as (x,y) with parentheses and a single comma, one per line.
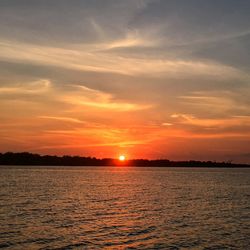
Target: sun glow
(122,158)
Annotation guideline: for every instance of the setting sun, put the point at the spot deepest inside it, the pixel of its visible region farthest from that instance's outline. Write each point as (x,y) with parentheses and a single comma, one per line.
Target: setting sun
(122,157)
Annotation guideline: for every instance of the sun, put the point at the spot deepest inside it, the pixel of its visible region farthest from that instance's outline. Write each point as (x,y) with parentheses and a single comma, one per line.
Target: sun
(122,158)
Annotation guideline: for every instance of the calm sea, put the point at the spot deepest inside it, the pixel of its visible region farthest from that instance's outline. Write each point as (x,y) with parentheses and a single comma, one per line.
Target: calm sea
(124,208)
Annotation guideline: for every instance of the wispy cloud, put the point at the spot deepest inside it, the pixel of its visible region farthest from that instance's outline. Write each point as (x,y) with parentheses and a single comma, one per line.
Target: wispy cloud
(167,124)
(77,95)
(97,99)
(39,86)
(58,118)
(87,58)
(218,125)
(218,101)
(148,75)
(96,145)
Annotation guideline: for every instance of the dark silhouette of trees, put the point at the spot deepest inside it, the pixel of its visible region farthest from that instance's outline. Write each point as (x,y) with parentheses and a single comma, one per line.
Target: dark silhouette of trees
(30,159)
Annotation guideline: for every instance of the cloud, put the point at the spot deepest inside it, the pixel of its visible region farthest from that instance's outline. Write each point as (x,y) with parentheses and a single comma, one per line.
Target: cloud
(159,73)
(58,118)
(132,39)
(39,86)
(228,127)
(87,58)
(123,144)
(167,124)
(226,103)
(84,96)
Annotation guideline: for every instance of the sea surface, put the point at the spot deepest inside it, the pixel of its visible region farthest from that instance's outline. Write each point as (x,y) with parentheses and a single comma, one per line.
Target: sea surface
(124,208)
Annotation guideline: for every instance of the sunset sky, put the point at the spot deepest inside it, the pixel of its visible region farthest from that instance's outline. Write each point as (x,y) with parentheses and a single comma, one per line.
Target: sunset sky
(143,78)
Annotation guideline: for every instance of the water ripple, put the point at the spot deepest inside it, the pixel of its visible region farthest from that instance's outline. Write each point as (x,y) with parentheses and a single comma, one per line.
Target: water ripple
(132,208)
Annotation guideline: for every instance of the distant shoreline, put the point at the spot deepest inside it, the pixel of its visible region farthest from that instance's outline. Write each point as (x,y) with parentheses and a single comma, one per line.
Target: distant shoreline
(29,159)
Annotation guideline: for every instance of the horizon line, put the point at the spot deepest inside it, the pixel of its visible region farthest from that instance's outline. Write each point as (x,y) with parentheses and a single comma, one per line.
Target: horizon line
(115,161)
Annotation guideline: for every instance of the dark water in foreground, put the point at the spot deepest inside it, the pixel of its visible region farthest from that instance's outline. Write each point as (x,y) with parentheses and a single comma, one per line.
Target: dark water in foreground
(124,208)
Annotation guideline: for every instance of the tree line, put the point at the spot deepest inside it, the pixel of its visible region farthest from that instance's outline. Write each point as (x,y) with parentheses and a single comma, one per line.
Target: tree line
(30,159)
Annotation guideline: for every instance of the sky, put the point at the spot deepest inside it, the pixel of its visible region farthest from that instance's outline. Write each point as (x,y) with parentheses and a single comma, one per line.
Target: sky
(143,78)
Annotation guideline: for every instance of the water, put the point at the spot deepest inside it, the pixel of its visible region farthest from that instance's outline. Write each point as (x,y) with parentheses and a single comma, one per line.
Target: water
(124,208)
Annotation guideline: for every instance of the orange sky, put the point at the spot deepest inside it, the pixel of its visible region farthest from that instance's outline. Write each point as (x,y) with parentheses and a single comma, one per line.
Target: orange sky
(147,79)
